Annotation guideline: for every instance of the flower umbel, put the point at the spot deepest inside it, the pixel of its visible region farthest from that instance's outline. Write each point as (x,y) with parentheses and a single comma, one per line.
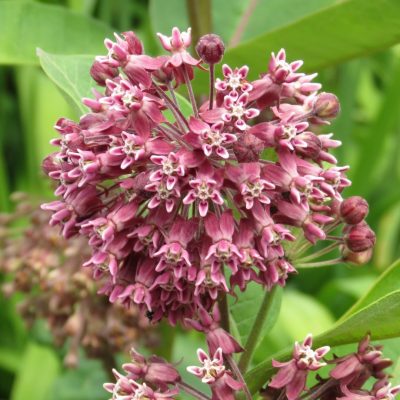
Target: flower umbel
(169,199)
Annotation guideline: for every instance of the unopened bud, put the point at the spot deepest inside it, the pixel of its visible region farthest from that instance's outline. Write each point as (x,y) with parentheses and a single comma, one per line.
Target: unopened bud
(359,258)
(360,238)
(326,105)
(100,72)
(210,48)
(354,209)
(313,148)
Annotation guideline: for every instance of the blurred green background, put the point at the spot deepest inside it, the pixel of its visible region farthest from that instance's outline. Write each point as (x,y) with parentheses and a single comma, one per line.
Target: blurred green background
(351,44)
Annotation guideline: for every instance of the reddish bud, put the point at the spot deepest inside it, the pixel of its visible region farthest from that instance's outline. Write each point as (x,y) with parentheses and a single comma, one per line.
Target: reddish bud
(100,72)
(354,209)
(210,48)
(360,238)
(326,105)
(313,148)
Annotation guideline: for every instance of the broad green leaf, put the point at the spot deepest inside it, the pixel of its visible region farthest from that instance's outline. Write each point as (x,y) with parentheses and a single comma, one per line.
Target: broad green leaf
(26,26)
(71,74)
(387,236)
(83,383)
(9,359)
(380,319)
(340,294)
(39,369)
(346,29)
(373,146)
(387,283)
(244,310)
(238,20)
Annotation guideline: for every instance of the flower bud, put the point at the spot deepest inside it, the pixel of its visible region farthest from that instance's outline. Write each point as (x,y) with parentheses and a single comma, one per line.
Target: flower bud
(359,258)
(354,209)
(210,48)
(326,105)
(360,238)
(313,148)
(100,72)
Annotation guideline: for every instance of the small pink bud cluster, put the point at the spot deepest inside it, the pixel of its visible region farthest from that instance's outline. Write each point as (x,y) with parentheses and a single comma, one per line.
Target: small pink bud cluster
(150,379)
(169,202)
(346,379)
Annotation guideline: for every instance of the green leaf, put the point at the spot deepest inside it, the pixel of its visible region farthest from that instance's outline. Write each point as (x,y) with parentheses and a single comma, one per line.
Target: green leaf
(380,319)
(83,383)
(39,369)
(244,310)
(373,146)
(26,26)
(387,283)
(71,74)
(346,29)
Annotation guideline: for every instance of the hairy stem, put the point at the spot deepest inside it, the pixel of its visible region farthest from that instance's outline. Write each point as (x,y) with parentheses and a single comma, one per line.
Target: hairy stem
(180,118)
(172,91)
(190,90)
(224,311)
(212,77)
(239,376)
(256,329)
(192,391)
(319,253)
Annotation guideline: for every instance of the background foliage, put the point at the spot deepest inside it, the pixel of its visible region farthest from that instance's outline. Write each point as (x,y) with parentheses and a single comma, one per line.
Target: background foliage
(351,43)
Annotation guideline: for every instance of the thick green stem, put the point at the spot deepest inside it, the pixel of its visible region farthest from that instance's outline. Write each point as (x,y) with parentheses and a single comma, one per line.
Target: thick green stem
(256,329)
(224,311)
(200,19)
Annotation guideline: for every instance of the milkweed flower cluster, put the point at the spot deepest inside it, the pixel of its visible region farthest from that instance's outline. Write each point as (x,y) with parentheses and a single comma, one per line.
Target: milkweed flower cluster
(153,378)
(171,202)
(346,379)
(47,270)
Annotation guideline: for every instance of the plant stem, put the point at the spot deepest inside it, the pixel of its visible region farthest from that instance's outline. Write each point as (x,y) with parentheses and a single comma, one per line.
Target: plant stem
(108,362)
(256,329)
(199,12)
(239,376)
(223,310)
(172,91)
(190,90)
(319,253)
(320,263)
(212,74)
(192,391)
(180,118)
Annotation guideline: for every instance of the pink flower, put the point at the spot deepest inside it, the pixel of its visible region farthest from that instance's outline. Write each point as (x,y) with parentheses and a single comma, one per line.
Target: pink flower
(355,369)
(235,80)
(212,138)
(223,250)
(237,110)
(205,187)
(292,374)
(213,372)
(178,44)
